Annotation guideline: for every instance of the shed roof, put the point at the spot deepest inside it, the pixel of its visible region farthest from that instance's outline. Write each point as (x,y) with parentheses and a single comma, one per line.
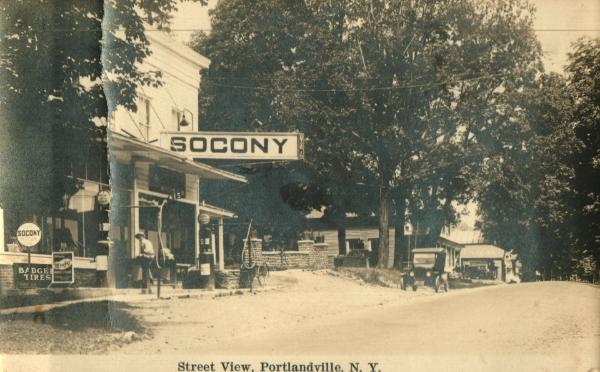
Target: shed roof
(481,251)
(428,250)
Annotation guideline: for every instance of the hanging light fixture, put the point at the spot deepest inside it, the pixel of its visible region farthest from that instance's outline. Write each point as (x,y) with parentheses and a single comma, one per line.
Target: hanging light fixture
(183,123)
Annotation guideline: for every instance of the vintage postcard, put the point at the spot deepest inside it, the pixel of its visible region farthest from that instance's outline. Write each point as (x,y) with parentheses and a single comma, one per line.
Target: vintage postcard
(299,186)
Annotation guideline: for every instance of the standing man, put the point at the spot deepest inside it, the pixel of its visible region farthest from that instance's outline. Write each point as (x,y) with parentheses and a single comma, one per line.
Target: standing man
(145,257)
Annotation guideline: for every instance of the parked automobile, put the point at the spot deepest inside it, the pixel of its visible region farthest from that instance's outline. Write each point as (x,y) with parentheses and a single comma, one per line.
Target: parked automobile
(429,267)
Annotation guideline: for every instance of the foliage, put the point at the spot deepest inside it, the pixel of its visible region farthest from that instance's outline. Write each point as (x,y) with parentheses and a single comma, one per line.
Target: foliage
(395,98)
(539,195)
(526,190)
(583,73)
(61,62)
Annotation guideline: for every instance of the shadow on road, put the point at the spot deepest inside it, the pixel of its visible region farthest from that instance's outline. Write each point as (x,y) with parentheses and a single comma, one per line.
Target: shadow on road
(113,315)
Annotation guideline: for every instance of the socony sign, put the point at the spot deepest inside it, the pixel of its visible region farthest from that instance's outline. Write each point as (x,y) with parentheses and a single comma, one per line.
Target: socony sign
(233,145)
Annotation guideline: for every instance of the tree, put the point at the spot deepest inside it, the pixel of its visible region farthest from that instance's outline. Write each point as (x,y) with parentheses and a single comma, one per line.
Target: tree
(583,73)
(64,65)
(386,92)
(538,195)
(525,194)
(429,79)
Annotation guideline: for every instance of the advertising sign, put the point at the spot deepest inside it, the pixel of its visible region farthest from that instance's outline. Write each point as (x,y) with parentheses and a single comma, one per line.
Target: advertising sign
(32,275)
(104,197)
(29,234)
(63,271)
(235,145)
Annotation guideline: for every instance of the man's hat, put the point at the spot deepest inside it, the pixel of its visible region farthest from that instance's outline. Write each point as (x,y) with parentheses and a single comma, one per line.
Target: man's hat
(140,235)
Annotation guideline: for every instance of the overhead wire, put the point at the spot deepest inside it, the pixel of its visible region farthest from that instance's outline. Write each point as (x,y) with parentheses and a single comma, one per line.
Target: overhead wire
(366,89)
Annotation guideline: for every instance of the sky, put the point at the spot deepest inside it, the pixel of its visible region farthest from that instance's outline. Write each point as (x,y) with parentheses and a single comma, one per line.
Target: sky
(558,24)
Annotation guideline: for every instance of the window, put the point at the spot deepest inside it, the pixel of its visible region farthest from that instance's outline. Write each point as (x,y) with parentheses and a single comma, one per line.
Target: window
(71,231)
(354,244)
(144,116)
(92,166)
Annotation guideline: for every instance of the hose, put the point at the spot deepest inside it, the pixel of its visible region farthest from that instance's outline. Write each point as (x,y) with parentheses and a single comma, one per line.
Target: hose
(246,251)
(160,241)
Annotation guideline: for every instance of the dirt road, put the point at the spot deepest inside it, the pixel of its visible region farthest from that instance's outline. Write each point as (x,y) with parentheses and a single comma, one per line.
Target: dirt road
(555,322)
(181,325)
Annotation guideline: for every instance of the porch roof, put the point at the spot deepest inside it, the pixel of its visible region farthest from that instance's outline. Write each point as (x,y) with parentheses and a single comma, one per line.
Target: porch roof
(131,147)
(215,211)
(475,251)
(428,250)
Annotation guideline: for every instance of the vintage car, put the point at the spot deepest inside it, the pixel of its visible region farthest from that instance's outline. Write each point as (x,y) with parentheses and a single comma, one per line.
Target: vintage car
(428,267)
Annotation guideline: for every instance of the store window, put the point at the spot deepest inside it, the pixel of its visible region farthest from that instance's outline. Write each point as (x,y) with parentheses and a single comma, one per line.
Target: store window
(167,181)
(72,231)
(79,226)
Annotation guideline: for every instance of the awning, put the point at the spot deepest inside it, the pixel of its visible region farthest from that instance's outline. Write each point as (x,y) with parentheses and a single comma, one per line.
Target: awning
(123,146)
(215,211)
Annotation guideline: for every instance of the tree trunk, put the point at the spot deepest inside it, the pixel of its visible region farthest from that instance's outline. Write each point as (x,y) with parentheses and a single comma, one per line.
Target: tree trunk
(400,221)
(384,228)
(399,242)
(341,232)
(433,230)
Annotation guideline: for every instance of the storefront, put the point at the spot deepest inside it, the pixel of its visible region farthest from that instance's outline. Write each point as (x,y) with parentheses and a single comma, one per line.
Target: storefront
(99,221)
(80,226)
(145,177)
(487,261)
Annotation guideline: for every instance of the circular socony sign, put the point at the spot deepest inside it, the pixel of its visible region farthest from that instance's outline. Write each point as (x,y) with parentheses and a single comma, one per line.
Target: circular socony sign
(29,234)
(104,197)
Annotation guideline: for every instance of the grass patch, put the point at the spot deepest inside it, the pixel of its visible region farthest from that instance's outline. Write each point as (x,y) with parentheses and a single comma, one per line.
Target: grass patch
(389,278)
(89,327)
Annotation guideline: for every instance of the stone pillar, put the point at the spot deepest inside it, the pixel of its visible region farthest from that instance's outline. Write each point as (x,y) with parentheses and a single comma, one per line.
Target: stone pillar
(305,245)
(320,256)
(255,248)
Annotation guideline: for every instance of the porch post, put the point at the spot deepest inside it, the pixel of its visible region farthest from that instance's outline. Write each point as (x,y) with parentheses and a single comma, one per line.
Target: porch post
(2,246)
(197,236)
(135,212)
(221,244)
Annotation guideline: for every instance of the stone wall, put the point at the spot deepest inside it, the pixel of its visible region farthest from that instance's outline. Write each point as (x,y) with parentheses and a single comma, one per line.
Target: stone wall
(290,260)
(227,279)
(308,256)
(7,278)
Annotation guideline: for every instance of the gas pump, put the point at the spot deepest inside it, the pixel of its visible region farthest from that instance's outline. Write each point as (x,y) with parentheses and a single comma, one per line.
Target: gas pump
(205,259)
(103,244)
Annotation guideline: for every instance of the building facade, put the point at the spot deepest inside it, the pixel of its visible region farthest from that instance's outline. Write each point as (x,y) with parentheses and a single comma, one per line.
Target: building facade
(143,176)
(487,261)
(362,235)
